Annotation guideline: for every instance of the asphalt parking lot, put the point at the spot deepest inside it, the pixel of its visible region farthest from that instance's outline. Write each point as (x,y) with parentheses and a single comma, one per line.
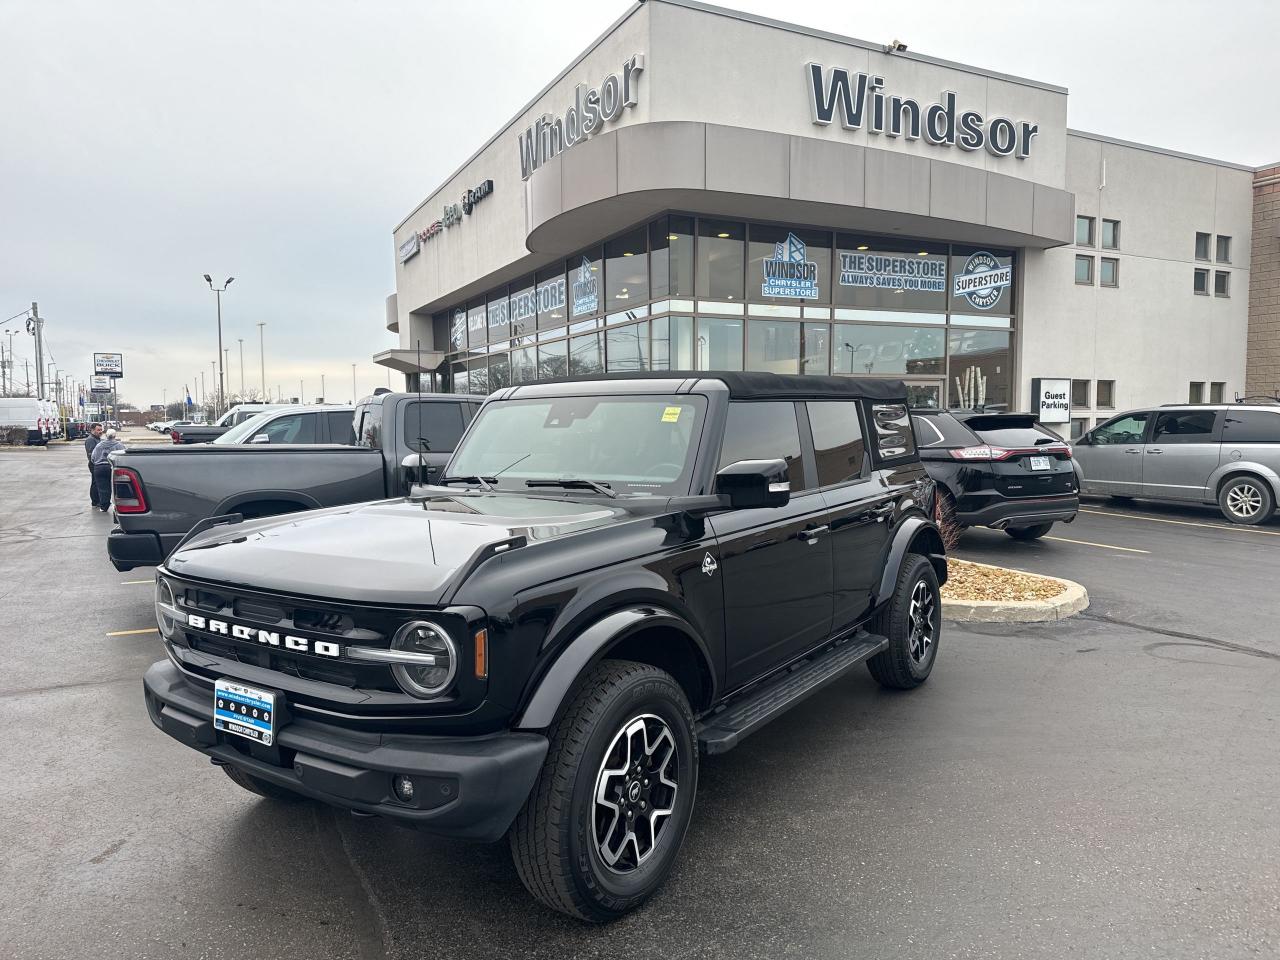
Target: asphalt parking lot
(1098,788)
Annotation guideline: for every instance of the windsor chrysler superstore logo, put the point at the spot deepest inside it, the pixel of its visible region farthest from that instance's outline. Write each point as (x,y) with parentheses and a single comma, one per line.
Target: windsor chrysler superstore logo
(790,272)
(982,281)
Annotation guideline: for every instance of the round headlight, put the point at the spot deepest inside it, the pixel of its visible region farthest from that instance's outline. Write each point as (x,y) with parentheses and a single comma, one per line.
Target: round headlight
(166,607)
(437,656)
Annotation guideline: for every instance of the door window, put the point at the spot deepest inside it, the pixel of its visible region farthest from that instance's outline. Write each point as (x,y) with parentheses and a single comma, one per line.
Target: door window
(838,444)
(432,426)
(341,427)
(764,431)
(294,428)
(1184,426)
(1124,430)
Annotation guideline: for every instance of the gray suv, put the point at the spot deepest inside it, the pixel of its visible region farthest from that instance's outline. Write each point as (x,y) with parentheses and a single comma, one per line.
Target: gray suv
(1228,454)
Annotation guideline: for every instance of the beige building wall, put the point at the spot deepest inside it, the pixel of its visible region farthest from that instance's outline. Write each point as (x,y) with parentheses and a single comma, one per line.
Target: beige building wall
(1263,370)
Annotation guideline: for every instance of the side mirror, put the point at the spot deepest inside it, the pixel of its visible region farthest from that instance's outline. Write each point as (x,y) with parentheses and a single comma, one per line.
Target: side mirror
(260,438)
(412,470)
(754,483)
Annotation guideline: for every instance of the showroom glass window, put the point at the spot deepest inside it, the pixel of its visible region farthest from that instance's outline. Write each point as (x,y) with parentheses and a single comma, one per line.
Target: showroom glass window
(773,345)
(477,325)
(585,356)
(671,257)
(552,305)
(672,343)
(524,364)
(584,284)
(499,325)
(882,273)
(553,359)
(626,271)
(866,349)
(719,345)
(985,276)
(627,348)
(980,369)
(720,257)
(815,349)
(788,265)
(478,375)
(522,307)
(499,371)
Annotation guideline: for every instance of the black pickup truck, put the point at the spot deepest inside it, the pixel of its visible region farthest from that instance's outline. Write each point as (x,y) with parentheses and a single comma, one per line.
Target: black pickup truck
(161,493)
(610,576)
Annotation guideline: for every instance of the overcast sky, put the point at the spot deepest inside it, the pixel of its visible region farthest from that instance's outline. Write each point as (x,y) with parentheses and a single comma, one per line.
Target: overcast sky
(147,143)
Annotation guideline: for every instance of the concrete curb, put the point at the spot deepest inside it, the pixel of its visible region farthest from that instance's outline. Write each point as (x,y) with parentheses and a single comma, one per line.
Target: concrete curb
(1072,600)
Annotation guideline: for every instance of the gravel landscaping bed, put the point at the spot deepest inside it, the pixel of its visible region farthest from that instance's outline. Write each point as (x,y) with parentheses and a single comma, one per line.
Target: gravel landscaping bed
(977,581)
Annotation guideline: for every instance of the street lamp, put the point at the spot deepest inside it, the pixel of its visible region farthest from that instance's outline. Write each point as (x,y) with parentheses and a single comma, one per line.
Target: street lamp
(241,339)
(218,293)
(353,383)
(262,358)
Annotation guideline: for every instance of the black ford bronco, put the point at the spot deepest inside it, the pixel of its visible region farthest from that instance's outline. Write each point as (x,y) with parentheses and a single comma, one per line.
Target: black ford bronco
(610,576)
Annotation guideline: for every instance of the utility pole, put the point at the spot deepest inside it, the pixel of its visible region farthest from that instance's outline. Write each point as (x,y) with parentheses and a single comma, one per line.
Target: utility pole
(35,327)
(241,339)
(322,386)
(302,392)
(216,377)
(218,291)
(353,383)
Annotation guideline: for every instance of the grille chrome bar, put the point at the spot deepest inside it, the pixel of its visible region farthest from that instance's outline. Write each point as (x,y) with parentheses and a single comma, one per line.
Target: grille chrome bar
(378,655)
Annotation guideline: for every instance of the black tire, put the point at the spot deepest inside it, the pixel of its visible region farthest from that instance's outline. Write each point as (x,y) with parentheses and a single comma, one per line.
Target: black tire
(553,840)
(1247,499)
(263,788)
(1029,533)
(898,667)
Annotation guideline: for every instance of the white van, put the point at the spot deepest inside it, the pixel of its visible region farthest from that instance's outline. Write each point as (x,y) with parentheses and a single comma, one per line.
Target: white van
(27,412)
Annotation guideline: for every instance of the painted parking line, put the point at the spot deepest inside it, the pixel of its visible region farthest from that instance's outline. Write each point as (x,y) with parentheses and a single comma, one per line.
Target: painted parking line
(1090,543)
(126,583)
(1233,527)
(133,633)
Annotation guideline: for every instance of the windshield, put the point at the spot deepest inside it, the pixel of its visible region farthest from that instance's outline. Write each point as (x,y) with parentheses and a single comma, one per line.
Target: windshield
(244,431)
(636,445)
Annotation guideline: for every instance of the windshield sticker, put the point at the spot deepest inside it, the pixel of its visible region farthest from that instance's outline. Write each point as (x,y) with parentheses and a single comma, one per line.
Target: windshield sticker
(671,415)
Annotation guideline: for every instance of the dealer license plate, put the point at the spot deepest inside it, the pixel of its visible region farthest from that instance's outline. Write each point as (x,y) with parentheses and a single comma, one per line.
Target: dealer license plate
(1039,463)
(245,711)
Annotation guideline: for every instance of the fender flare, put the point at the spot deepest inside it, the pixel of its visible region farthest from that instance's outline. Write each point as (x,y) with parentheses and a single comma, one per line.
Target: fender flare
(589,646)
(233,503)
(909,531)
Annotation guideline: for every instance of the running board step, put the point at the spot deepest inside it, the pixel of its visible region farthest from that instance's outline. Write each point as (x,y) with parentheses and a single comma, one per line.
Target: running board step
(723,731)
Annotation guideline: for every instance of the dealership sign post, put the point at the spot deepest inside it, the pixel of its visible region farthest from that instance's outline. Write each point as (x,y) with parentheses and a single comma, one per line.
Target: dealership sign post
(109,364)
(1051,400)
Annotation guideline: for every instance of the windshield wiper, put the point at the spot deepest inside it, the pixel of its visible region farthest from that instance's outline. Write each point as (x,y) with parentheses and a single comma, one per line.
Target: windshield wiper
(485,483)
(575,483)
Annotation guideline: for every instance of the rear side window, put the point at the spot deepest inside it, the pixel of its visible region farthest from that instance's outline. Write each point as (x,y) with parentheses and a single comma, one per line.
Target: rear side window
(341,427)
(1251,426)
(1012,432)
(433,427)
(892,426)
(838,444)
(294,428)
(1184,426)
(368,425)
(764,431)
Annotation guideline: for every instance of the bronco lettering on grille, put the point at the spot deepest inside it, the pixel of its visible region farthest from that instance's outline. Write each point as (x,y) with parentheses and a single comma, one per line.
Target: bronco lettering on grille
(322,648)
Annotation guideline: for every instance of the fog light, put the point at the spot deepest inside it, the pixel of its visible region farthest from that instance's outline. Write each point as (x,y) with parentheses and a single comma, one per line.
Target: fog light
(403,787)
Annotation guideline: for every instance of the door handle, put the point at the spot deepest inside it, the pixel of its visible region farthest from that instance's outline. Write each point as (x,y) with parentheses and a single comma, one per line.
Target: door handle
(1150,450)
(884,510)
(1133,450)
(812,534)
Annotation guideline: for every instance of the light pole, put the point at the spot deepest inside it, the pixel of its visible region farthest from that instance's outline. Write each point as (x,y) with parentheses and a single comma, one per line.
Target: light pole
(353,383)
(241,339)
(322,386)
(226,353)
(262,359)
(218,293)
(214,375)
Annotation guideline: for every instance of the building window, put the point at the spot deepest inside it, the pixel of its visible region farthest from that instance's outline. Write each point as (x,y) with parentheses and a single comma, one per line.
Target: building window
(585,356)
(1084,270)
(1110,234)
(721,247)
(1109,272)
(1195,394)
(1216,390)
(584,284)
(815,356)
(885,274)
(867,349)
(1201,285)
(1084,231)
(719,343)
(773,345)
(1221,283)
(980,367)
(1224,249)
(672,343)
(626,271)
(766,283)
(1080,393)
(1106,396)
(552,308)
(1202,246)
(1079,426)
(627,348)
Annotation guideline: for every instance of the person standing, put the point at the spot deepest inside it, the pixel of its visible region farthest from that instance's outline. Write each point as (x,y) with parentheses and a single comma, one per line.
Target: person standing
(91,441)
(102,467)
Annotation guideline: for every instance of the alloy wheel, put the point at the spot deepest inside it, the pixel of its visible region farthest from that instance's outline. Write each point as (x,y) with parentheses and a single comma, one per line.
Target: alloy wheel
(1244,500)
(920,621)
(635,794)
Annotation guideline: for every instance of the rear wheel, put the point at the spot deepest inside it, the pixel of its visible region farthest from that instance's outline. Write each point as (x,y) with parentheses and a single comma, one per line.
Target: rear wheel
(1246,499)
(607,816)
(1029,533)
(263,788)
(913,623)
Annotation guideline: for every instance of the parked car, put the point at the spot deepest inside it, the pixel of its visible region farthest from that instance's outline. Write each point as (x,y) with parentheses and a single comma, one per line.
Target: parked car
(27,413)
(161,492)
(610,577)
(205,432)
(1228,454)
(295,424)
(1000,470)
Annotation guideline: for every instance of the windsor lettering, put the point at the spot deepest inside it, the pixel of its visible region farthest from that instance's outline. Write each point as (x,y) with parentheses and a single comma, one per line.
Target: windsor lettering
(860,100)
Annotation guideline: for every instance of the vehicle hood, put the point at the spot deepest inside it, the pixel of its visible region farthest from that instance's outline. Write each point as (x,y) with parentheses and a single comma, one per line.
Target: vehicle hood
(406,551)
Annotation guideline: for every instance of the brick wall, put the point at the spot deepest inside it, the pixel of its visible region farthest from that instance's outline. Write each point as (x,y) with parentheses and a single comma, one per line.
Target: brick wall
(1262,365)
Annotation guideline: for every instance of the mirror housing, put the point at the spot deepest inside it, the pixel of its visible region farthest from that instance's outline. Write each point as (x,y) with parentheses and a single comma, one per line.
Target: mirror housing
(260,438)
(749,484)
(412,470)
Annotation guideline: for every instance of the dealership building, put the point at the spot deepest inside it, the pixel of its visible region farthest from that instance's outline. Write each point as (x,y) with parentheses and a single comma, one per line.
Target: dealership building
(704,189)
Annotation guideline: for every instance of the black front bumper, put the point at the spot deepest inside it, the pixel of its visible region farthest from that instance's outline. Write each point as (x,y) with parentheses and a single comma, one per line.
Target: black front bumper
(143,549)
(1024,512)
(465,787)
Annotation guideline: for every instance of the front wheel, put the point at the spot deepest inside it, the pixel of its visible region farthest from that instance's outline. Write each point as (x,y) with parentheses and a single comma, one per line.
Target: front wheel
(913,623)
(1247,500)
(607,815)
(1029,533)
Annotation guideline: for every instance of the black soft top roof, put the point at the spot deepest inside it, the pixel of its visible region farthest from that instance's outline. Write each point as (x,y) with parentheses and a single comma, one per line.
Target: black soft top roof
(758,385)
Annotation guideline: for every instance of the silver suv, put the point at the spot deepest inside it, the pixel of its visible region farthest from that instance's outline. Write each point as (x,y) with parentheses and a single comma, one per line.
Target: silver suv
(1228,454)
